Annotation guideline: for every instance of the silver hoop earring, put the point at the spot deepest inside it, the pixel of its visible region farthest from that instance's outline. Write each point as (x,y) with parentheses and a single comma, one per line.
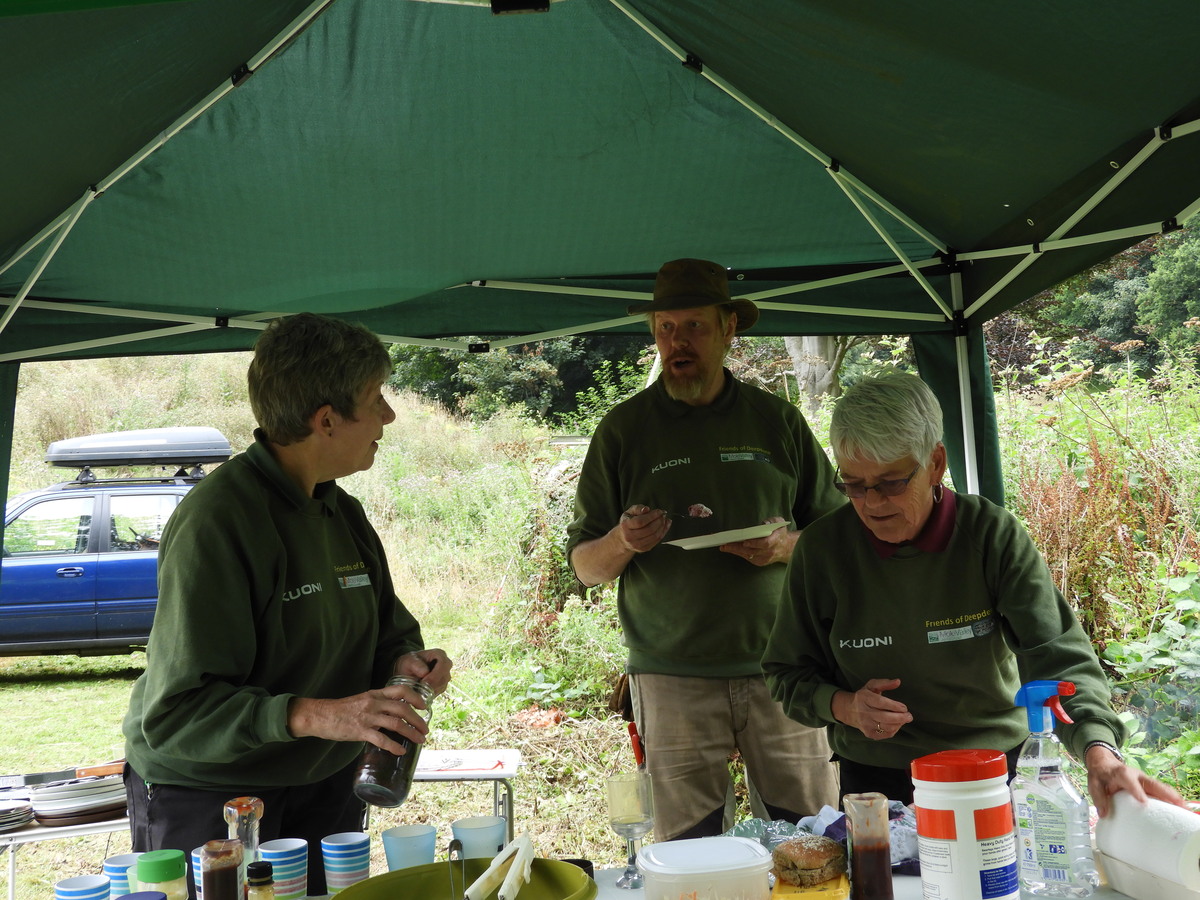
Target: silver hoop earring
(938,491)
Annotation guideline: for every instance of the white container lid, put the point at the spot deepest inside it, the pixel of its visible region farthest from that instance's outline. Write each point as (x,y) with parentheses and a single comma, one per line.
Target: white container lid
(705,855)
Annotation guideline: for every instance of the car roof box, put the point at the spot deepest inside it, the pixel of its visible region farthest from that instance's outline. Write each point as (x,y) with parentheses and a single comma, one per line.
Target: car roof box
(147,447)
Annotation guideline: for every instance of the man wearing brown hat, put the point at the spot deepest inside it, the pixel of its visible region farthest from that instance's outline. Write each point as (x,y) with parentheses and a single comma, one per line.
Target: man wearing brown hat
(695,454)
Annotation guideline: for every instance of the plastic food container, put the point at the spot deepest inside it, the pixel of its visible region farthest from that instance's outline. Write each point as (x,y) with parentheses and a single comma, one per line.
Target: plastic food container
(713,868)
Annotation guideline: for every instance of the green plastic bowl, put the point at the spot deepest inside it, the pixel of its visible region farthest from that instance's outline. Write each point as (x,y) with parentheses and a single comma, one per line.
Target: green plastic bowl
(549,879)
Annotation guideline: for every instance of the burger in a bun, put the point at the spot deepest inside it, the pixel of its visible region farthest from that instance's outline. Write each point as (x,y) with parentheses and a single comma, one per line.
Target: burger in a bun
(808,859)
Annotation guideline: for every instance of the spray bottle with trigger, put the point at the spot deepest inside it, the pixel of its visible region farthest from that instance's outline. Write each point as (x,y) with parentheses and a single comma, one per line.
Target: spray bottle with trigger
(1054,846)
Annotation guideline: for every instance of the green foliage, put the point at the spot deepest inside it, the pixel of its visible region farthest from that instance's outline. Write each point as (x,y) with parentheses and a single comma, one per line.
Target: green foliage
(543,378)
(544,691)
(1101,466)
(1172,295)
(549,624)
(1149,293)
(615,380)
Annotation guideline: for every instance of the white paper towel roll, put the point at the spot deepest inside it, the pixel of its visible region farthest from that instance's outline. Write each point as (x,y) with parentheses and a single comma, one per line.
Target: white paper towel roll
(1158,838)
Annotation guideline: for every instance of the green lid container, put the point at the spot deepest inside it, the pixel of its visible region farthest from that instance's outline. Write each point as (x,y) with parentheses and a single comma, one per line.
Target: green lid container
(157,866)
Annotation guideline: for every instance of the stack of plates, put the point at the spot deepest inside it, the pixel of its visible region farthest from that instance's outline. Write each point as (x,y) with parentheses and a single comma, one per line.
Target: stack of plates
(14,814)
(79,801)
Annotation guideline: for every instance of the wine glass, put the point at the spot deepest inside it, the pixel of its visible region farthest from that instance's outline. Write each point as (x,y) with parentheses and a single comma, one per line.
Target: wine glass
(631,815)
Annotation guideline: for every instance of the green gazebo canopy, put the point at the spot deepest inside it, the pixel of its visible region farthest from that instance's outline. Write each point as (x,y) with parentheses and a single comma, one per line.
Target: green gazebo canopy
(175,173)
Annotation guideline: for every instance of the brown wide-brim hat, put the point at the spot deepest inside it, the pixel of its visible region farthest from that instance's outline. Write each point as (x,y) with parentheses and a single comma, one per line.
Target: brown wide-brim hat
(692,283)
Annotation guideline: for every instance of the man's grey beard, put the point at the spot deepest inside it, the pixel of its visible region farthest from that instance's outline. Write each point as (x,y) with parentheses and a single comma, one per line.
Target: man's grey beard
(684,390)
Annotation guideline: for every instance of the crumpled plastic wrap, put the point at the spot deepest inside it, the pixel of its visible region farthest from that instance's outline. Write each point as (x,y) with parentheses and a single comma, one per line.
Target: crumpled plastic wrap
(902,824)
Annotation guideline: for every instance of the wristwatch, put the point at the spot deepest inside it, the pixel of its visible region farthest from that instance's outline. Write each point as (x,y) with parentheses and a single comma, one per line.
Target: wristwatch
(1107,746)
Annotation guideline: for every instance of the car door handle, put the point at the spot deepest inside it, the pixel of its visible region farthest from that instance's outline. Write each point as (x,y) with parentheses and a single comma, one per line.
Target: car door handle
(69,572)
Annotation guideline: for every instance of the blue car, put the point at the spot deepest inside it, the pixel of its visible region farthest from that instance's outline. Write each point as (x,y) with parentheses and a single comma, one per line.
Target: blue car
(80,558)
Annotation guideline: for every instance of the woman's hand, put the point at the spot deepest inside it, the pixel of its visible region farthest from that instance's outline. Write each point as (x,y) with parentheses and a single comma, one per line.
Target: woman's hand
(430,666)
(1107,775)
(362,717)
(875,715)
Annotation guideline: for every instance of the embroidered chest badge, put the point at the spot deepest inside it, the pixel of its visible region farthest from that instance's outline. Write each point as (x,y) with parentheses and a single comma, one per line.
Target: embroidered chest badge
(964,628)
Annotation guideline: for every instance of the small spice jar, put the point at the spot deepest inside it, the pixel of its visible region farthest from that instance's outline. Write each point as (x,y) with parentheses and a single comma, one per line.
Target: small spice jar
(260,880)
(383,778)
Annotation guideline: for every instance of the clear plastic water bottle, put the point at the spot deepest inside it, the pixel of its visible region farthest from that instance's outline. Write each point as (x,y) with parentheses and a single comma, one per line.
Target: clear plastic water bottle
(1054,843)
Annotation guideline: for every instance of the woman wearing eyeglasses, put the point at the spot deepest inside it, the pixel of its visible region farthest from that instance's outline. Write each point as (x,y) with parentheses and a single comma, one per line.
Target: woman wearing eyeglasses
(913,614)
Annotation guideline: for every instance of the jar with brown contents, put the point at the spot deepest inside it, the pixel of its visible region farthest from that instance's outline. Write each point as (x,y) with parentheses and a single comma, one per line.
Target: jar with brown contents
(383,778)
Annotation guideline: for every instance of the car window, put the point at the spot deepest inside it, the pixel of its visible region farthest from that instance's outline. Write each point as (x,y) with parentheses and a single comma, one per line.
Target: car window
(136,520)
(58,526)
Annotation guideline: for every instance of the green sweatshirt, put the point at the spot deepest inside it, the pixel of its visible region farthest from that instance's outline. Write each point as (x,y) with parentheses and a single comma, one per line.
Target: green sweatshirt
(962,626)
(264,594)
(748,456)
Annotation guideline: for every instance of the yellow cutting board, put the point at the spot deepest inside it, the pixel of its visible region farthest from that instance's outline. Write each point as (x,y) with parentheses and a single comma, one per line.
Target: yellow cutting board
(836,889)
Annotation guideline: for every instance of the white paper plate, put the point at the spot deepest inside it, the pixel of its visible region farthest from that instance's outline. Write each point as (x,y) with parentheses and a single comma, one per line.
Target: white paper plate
(77,796)
(706,541)
(60,790)
(82,804)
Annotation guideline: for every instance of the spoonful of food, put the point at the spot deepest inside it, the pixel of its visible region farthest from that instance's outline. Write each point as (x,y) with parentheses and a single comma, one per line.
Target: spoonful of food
(695,511)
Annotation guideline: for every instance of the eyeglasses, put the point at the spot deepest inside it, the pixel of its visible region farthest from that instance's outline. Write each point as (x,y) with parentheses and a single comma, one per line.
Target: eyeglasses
(891,487)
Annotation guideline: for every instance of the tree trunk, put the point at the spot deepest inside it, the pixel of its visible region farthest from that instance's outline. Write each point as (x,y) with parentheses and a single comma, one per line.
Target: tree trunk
(816,360)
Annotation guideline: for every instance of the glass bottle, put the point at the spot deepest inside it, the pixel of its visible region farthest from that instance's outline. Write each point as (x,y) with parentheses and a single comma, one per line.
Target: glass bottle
(221,870)
(242,815)
(383,778)
(870,846)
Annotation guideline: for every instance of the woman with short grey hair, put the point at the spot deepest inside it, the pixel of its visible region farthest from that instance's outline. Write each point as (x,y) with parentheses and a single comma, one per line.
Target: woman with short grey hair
(912,615)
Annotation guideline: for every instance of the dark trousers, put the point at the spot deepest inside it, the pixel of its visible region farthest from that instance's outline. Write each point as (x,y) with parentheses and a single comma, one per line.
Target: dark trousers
(895,784)
(168,817)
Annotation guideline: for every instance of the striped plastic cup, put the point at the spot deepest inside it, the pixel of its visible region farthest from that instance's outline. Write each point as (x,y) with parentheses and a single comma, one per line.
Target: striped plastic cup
(117,869)
(289,864)
(82,887)
(197,872)
(347,858)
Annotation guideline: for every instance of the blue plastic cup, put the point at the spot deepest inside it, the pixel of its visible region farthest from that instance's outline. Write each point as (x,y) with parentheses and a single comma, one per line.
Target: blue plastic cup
(481,836)
(408,845)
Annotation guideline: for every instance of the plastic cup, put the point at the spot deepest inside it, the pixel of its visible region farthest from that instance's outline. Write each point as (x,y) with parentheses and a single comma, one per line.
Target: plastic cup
(481,836)
(117,869)
(408,845)
(289,863)
(197,872)
(82,887)
(347,858)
